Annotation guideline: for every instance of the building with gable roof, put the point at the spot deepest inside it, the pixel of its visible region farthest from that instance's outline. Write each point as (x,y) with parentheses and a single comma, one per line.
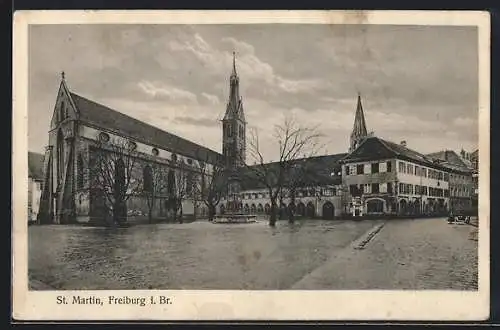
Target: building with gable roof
(386,178)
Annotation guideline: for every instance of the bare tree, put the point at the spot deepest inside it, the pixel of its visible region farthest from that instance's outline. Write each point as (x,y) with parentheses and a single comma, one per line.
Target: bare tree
(154,186)
(111,174)
(211,186)
(180,186)
(295,142)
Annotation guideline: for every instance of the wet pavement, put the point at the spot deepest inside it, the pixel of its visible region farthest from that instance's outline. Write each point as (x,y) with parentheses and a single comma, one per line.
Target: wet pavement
(314,254)
(197,255)
(421,254)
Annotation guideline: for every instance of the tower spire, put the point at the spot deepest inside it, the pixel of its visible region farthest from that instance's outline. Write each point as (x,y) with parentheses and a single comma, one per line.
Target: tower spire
(359,130)
(234,64)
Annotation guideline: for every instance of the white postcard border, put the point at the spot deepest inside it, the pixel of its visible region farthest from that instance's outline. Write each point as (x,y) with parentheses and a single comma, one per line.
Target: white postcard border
(246,305)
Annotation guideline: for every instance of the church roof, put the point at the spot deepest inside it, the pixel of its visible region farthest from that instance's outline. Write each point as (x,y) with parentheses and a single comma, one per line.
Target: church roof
(375,148)
(35,165)
(99,115)
(319,170)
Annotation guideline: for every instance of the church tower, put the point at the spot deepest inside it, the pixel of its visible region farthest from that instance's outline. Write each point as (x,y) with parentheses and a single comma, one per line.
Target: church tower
(359,130)
(234,125)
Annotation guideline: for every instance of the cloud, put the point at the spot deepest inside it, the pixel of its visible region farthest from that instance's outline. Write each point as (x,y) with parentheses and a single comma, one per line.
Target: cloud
(203,122)
(165,92)
(213,99)
(417,83)
(251,68)
(464,122)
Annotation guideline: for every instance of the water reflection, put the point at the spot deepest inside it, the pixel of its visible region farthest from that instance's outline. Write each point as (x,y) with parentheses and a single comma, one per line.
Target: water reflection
(197,255)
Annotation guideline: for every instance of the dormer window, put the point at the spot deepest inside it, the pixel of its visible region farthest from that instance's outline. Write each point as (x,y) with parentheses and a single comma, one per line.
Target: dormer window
(190,161)
(155,152)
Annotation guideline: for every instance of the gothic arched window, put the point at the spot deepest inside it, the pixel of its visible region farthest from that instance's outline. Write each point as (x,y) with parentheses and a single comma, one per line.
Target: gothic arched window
(60,154)
(80,171)
(62,112)
(147,178)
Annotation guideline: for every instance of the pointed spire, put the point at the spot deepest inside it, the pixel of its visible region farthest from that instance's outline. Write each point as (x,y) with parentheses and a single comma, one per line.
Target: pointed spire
(62,75)
(234,65)
(359,131)
(359,128)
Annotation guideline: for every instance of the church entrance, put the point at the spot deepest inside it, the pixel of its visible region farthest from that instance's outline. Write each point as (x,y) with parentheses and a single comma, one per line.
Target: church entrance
(328,211)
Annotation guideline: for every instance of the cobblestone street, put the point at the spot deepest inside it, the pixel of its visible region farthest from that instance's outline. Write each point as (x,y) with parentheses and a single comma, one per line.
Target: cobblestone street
(403,254)
(406,254)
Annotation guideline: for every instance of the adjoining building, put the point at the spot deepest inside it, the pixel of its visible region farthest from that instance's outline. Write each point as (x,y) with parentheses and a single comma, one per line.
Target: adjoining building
(35,181)
(318,193)
(461,180)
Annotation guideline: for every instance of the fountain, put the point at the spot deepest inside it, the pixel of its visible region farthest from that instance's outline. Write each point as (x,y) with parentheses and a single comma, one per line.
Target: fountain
(233,212)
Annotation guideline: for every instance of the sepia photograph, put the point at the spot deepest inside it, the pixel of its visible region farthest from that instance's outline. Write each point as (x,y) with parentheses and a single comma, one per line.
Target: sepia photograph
(253,157)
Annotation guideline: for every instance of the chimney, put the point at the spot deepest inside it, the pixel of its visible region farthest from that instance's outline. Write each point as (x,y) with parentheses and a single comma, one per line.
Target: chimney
(403,143)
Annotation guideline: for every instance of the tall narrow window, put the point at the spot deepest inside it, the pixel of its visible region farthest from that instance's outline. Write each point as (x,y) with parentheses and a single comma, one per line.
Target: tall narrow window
(375,168)
(147,179)
(389,166)
(60,155)
(62,111)
(80,171)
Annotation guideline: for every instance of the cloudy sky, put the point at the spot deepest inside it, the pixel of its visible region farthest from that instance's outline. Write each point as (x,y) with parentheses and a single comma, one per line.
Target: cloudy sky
(417,83)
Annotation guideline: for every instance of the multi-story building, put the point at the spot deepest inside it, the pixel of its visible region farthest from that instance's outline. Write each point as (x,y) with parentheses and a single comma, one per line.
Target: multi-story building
(385,178)
(461,176)
(35,181)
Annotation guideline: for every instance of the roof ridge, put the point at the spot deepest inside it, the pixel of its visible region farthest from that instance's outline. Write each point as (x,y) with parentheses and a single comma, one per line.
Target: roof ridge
(137,121)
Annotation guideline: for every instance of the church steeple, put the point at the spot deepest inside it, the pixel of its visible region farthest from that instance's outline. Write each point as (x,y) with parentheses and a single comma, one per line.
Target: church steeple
(235,105)
(233,123)
(359,131)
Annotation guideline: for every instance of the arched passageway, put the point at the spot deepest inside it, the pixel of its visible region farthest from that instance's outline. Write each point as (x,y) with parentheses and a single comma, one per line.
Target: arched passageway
(301,209)
(328,211)
(310,210)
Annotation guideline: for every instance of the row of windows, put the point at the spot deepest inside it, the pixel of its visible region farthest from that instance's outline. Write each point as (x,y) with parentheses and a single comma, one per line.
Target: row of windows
(404,188)
(408,168)
(369,168)
(373,188)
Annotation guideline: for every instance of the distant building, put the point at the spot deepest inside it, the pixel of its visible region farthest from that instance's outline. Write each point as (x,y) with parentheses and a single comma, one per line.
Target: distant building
(35,181)
(461,180)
